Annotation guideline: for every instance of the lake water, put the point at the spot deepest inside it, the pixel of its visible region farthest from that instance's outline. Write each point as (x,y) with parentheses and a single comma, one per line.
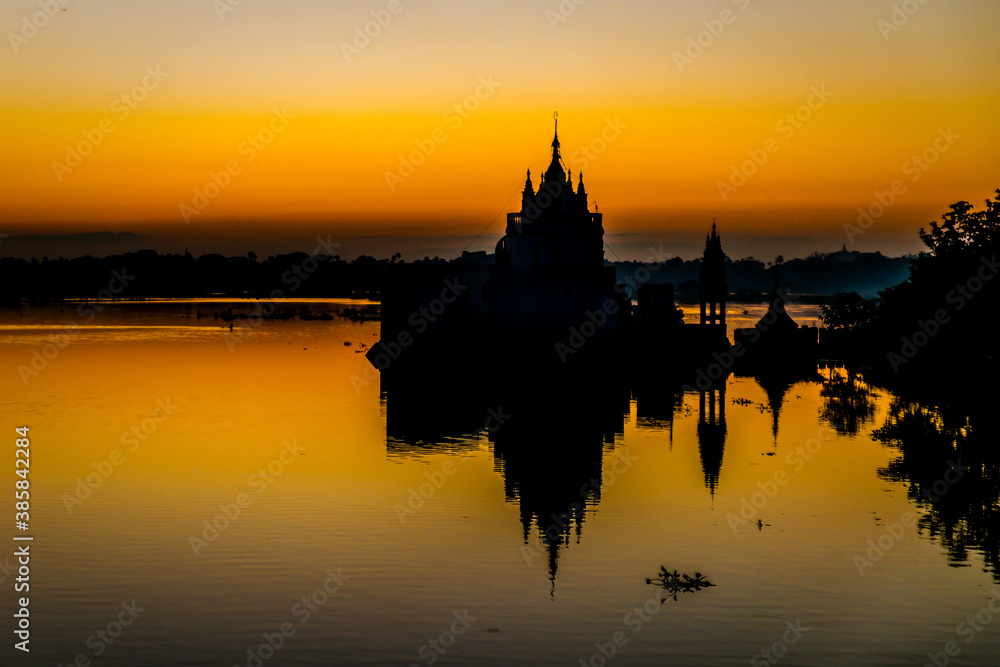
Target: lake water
(439,545)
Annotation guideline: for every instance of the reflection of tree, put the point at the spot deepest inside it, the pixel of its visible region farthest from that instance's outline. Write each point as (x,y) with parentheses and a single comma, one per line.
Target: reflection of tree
(849,402)
(963,516)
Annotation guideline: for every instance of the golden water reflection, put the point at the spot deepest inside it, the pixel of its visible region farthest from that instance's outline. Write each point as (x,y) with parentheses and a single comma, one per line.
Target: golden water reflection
(545,532)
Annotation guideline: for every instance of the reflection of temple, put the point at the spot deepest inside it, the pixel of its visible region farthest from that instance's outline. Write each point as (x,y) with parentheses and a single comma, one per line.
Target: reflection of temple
(550,454)
(775,386)
(423,411)
(556,449)
(657,402)
(553,478)
(657,406)
(549,450)
(712,433)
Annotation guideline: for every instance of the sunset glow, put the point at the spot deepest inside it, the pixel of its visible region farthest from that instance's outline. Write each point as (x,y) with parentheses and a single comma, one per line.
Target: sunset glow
(656,110)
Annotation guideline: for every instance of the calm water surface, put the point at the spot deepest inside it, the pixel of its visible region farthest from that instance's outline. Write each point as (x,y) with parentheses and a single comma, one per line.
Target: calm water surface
(195,420)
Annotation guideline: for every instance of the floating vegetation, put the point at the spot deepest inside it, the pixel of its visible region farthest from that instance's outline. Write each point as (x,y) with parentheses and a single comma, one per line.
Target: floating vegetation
(675,583)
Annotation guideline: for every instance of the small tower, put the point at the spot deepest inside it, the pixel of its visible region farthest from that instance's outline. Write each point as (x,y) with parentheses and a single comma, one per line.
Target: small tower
(528,194)
(713,288)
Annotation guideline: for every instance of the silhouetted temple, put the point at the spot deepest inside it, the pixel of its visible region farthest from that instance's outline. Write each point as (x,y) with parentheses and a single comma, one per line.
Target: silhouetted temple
(548,297)
(777,343)
(548,277)
(546,337)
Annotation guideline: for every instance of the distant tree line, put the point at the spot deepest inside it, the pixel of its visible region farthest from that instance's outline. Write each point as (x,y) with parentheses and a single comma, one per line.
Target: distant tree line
(148,274)
(152,275)
(944,316)
(751,279)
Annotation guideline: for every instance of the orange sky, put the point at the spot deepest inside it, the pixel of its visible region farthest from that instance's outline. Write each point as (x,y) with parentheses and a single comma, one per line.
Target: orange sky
(663,131)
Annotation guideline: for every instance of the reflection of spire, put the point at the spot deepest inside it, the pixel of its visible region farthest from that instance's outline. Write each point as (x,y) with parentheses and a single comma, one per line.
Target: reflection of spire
(712,434)
(551,460)
(549,452)
(775,387)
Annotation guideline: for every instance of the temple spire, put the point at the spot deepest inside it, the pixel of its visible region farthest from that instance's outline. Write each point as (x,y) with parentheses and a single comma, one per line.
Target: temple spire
(555,171)
(555,140)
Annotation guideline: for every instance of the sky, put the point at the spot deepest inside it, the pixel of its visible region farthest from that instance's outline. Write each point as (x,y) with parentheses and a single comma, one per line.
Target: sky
(407,125)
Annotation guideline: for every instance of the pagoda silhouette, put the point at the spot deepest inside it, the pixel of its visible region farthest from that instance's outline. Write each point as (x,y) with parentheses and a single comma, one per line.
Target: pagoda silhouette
(548,298)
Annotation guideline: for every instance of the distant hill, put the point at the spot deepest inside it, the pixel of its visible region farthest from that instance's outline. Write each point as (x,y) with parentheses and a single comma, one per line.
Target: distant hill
(817,275)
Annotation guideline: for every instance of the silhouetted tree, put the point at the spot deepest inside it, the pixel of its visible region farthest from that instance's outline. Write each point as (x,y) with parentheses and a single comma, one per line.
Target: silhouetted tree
(849,311)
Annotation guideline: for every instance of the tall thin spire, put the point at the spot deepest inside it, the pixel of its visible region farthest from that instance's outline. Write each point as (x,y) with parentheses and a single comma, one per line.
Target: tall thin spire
(556,157)
(555,172)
